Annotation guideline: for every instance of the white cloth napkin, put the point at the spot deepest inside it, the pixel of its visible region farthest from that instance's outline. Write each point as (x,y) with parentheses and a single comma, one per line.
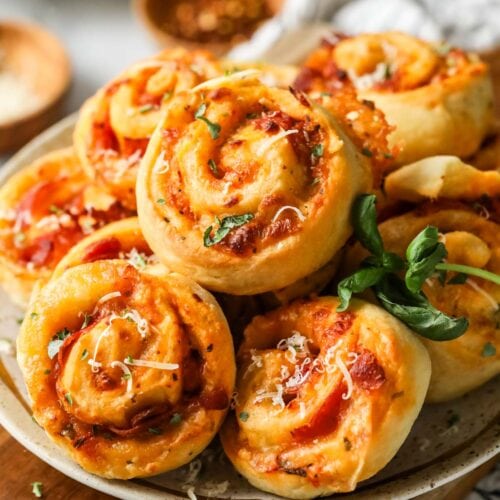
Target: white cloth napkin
(471,24)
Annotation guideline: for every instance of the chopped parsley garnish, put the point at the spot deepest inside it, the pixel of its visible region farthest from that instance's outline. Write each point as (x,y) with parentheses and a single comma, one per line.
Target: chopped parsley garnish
(34,315)
(488,350)
(213,128)
(244,416)
(84,355)
(213,167)
(126,376)
(176,419)
(251,116)
(68,398)
(160,201)
(37,489)
(225,226)
(19,321)
(366,152)
(167,96)
(129,359)
(46,372)
(154,430)
(56,342)
(55,209)
(317,150)
(146,108)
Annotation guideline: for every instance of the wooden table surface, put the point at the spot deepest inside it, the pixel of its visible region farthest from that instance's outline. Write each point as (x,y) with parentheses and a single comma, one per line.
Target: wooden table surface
(19,468)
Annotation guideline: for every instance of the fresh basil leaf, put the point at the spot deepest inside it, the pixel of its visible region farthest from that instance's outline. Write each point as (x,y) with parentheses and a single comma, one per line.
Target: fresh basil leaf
(358,282)
(392,262)
(416,312)
(364,220)
(423,254)
(225,226)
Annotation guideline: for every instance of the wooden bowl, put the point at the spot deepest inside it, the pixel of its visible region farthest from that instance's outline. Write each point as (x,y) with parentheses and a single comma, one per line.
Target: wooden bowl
(154,12)
(36,59)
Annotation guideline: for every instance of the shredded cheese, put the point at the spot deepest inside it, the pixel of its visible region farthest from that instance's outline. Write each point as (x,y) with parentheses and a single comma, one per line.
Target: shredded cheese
(221,80)
(300,215)
(484,293)
(151,364)
(368,80)
(7,214)
(352,115)
(347,376)
(108,296)
(190,493)
(275,397)
(126,372)
(92,361)
(141,323)
(161,165)
(212,489)
(193,471)
(124,164)
(267,143)
(296,344)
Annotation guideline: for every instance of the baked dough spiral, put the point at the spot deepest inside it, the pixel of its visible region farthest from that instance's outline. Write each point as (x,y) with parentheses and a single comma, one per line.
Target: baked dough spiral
(44,210)
(115,125)
(247,188)
(439,99)
(118,240)
(323,399)
(123,367)
(467,362)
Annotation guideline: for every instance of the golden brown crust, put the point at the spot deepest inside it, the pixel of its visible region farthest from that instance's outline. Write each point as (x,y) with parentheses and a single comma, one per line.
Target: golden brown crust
(115,124)
(277,160)
(46,208)
(439,99)
(324,399)
(459,365)
(136,389)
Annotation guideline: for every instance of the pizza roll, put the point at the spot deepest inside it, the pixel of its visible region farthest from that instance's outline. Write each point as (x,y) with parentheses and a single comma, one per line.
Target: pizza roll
(323,399)
(441,177)
(488,155)
(118,240)
(44,210)
(439,99)
(469,361)
(272,75)
(123,367)
(248,188)
(115,125)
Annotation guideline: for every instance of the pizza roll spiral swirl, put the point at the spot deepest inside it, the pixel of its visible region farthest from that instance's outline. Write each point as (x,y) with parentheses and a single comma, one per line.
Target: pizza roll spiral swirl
(247,188)
(323,399)
(469,361)
(44,210)
(115,124)
(122,367)
(439,99)
(118,240)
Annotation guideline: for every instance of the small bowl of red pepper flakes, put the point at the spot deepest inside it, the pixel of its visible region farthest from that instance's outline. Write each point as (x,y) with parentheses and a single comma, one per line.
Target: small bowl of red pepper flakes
(216,25)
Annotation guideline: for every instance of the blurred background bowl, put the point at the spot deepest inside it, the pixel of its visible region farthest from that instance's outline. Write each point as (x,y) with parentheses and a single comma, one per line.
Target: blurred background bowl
(215,25)
(33,61)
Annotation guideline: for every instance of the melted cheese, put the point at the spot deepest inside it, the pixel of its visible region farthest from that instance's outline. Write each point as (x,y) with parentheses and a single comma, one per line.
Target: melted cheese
(267,143)
(300,215)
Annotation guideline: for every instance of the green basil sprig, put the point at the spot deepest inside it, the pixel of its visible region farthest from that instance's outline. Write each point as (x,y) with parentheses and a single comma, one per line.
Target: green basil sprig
(225,226)
(404,298)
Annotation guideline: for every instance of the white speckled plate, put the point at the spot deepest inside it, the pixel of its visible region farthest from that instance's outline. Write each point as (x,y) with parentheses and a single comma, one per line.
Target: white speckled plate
(434,453)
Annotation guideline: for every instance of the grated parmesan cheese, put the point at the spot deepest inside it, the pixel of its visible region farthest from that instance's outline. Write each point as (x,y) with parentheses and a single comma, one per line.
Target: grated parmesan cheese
(369,80)
(347,376)
(352,115)
(267,143)
(109,296)
(193,472)
(212,489)
(275,397)
(190,493)
(300,215)
(124,164)
(221,80)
